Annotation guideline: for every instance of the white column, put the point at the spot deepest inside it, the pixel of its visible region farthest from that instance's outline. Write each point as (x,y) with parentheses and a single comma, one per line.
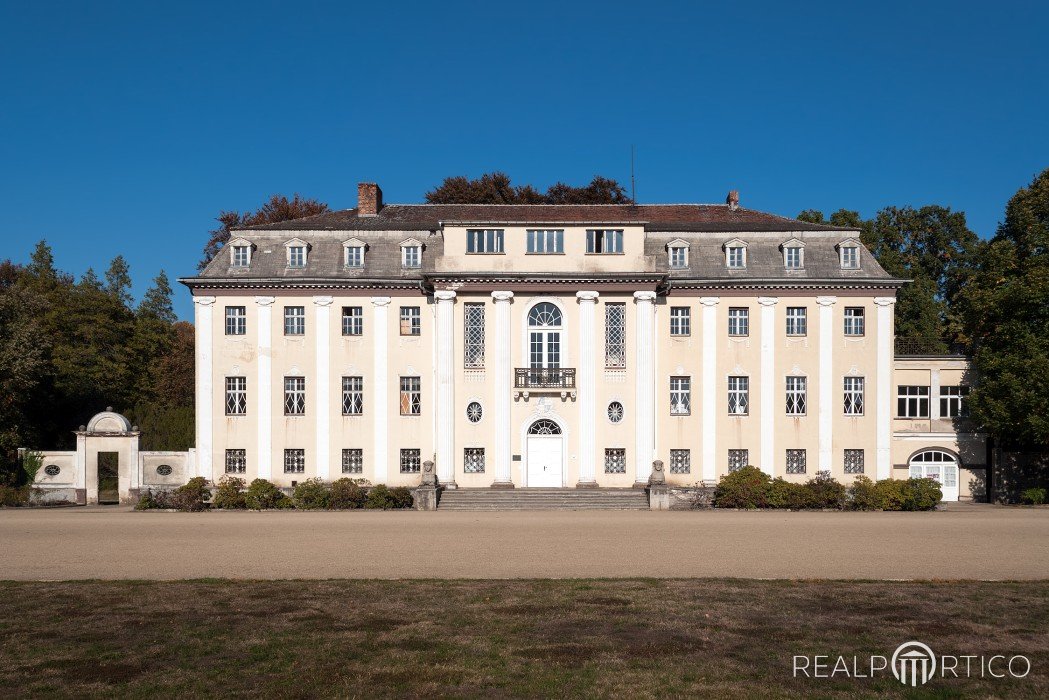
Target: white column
(885,341)
(709,387)
(769,383)
(645,387)
(81,461)
(264,403)
(136,466)
(445,400)
(322,385)
(380,389)
(502,369)
(204,380)
(827,384)
(587,388)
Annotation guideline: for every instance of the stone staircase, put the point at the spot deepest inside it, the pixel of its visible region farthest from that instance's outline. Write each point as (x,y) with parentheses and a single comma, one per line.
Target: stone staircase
(543,499)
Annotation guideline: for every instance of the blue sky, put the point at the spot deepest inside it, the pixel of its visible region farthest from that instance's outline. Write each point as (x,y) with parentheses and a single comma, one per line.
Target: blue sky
(127,127)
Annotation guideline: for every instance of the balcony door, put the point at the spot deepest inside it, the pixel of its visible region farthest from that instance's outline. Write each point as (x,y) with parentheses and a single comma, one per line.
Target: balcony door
(544,336)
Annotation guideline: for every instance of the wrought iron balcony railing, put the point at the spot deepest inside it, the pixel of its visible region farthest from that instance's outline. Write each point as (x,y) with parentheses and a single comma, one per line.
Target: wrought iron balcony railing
(544,378)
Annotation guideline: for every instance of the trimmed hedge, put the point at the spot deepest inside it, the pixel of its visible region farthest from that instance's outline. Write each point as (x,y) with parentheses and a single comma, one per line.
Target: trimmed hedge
(750,487)
(311,494)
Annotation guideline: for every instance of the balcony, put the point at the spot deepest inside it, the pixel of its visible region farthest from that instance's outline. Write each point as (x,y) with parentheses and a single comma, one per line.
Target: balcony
(560,378)
(926,347)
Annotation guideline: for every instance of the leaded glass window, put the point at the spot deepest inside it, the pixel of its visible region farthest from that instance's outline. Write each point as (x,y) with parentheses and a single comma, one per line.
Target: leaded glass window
(615,412)
(737,459)
(294,396)
(544,426)
(797,396)
(473,460)
(796,461)
(680,461)
(853,461)
(797,320)
(680,396)
(294,461)
(236,320)
(411,396)
(545,314)
(352,396)
(411,463)
(294,320)
(680,320)
(411,320)
(738,321)
(352,460)
(473,347)
(853,320)
(854,396)
(738,395)
(474,412)
(352,320)
(236,396)
(236,461)
(615,460)
(615,335)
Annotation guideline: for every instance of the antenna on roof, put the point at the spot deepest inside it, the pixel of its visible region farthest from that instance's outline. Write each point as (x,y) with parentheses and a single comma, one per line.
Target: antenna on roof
(633,187)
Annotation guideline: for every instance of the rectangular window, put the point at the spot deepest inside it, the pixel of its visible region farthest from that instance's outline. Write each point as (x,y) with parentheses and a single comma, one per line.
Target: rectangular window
(680,396)
(546,242)
(680,320)
(736,256)
(737,459)
(854,396)
(473,345)
(473,460)
(797,320)
(352,396)
(738,395)
(912,402)
(352,460)
(295,396)
(615,335)
(236,396)
(411,463)
(484,240)
(294,461)
(615,460)
(352,320)
(853,461)
(952,401)
(853,320)
(792,257)
(796,462)
(411,256)
(411,320)
(411,396)
(297,256)
(797,401)
(738,321)
(680,461)
(294,320)
(850,257)
(236,461)
(679,257)
(608,241)
(241,255)
(354,256)
(236,320)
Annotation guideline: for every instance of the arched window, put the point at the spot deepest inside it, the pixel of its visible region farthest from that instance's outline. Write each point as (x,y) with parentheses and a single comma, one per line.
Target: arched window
(939,465)
(544,426)
(544,315)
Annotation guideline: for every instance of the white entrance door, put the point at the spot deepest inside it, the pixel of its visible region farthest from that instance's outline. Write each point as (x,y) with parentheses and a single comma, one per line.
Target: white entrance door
(938,465)
(544,460)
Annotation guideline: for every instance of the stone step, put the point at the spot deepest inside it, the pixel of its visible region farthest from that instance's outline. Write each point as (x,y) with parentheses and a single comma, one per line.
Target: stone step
(543,499)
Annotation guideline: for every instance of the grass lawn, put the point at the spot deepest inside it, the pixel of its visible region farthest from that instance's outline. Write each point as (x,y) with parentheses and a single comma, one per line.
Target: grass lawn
(630,638)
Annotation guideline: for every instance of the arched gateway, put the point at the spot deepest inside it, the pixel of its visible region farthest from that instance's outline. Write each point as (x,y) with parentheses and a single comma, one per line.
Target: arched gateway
(545,454)
(939,465)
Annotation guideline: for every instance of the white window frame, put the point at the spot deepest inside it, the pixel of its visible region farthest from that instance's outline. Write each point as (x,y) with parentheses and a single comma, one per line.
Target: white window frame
(680,321)
(294,320)
(739,321)
(797,390)
(604,241)
(677,254)
(359,249)
(797,323)
(855,324)
(913,401)
(485,241)
(543,241)
(680,396)
(411,396)
(294,396)
(411,260)
(296,244)
(853,396)
(353,396)
(849,255)
(736,254)
(237,248)
(236,320)
(790,248)
(473,334)
(615,335)
(411,319)
(953,401)
(738,395)
(352,320)
(236,396)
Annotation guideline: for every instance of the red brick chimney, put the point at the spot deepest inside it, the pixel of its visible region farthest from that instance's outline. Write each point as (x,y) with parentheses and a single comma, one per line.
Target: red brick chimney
(369,199)
(732,200)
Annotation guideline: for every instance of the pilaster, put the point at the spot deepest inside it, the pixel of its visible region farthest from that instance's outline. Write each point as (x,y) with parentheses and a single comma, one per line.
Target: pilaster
(445,399)
(768,384)
(381,392)
(825,409)
(885,342)
(203,306)
(708,388)
(502,369)
(322,388)
(587,389)
(264,402)
(645,387)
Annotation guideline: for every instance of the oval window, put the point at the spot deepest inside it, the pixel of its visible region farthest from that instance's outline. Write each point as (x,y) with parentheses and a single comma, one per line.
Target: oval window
(164,470)
(615,411)
(474,412)
(52,470)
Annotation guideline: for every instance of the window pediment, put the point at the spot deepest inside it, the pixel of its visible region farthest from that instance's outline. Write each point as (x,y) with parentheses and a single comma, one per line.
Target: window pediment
(354,243)
(296,242)
(411,242)
(734,243)
(678,243)
(240,251)
(793,243)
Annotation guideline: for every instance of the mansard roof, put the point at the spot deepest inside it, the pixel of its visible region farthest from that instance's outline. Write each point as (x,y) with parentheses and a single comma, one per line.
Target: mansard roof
(661,217)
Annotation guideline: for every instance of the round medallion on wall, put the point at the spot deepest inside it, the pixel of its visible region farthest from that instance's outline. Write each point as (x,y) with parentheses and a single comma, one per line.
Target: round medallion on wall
(52,470)
(474,412)
(164,470)
(615,412)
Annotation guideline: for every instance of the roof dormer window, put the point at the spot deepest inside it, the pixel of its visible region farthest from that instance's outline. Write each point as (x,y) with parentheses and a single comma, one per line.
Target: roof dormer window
(736,254)
(239,253)
(677,254)
(849,255)
(794,254)
(298,251)
(353,253)
(411,254)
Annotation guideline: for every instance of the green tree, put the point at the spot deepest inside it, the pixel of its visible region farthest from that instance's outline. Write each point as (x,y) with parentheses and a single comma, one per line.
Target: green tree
(1004,304)
(496,188)
(277,208)
(118,280)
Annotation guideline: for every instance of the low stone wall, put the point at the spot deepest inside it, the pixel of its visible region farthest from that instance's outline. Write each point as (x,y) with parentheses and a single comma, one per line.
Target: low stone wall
(691,497)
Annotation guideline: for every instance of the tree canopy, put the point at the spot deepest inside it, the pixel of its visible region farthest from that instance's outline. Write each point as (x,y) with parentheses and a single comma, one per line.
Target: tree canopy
(496,188)
(277,208)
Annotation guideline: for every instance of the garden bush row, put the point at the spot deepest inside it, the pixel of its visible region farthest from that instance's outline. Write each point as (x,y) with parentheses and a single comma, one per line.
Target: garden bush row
(313,494)
(750,487)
